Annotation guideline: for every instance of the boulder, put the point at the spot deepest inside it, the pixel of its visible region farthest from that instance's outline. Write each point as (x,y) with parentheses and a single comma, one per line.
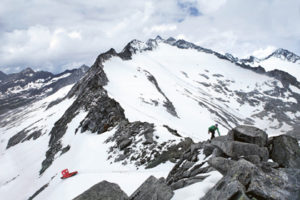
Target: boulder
(153,189)
(242,171)
(208,149)
(236,149)
(249,134)
(223,165)
(255,159)
(226,189)
(285,151)
(103,191)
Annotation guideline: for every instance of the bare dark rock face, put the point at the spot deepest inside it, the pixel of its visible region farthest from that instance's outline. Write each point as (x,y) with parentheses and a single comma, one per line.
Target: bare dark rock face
(23,136)
(103,191)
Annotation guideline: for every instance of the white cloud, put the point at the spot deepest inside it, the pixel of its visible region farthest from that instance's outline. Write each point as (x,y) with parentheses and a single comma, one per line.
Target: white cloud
(208,6)
(52,34)
(160,28)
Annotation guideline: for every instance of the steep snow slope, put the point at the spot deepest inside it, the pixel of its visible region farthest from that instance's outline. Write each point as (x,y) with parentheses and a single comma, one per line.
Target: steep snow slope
(20,163)
(202,88)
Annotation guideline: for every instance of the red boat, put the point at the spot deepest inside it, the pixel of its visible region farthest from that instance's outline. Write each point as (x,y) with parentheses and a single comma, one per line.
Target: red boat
(66,174)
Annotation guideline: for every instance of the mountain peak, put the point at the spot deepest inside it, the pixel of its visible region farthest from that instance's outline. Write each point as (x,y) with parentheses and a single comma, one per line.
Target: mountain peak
(284,55)
(2,75)
(158,38)
(28,70)
(84,68)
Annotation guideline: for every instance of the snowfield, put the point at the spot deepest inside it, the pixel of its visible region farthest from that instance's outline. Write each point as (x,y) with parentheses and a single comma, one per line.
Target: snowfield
(187,78)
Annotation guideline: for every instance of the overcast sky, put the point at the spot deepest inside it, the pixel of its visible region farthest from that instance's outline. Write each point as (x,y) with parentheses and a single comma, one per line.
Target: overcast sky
(54,35)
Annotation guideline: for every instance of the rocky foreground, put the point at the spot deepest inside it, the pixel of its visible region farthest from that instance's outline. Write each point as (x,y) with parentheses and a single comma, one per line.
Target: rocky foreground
(253,167)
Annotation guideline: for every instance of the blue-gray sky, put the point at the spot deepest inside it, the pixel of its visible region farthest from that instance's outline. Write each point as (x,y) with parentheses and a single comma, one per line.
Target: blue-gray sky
(54,35)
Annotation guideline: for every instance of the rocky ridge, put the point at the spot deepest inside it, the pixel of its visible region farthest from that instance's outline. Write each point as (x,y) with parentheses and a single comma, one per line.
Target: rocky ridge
(246,173)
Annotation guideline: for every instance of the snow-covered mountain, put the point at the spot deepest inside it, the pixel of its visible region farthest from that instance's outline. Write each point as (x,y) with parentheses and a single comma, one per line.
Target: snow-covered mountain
(19,89)
(134,114)
(280,59)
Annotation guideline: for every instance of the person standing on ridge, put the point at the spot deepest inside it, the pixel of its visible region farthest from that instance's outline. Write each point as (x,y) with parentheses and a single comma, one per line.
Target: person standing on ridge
(212,130)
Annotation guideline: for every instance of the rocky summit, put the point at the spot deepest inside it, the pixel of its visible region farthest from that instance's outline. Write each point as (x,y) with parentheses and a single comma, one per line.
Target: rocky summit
(135,125)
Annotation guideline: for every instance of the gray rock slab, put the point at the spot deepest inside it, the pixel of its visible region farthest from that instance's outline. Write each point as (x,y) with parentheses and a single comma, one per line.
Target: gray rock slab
(249,134)
(153,189)
(103,191)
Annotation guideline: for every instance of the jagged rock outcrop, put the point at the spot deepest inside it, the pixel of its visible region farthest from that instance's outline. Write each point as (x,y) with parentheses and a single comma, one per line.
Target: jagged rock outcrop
(188,169)
(172,153)
(135,143)
(246,180)
(103,191)
(250,175)
(153,189)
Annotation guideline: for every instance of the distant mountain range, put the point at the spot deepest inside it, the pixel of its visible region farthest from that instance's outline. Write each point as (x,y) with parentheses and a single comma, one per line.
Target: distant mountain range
(19,89)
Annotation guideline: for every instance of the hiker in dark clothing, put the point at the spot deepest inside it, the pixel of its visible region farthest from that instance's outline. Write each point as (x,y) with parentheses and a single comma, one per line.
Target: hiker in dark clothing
(212,130)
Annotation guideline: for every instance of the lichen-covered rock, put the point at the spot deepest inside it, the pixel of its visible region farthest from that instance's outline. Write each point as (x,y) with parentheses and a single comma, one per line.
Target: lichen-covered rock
(153,189)
(249,134)
(285,151)
(103,191)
